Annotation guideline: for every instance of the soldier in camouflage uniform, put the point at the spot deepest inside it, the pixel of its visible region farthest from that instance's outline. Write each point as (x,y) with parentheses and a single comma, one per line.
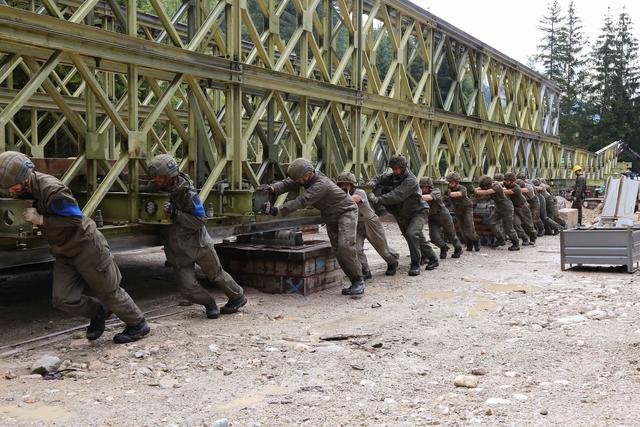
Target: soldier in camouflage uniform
(337,209)
(552,206)
(369,227)
(531,195)
(440,222)
(82,255)
(187,241)
(404,202)
(502,213)
(522,214)
(551,227)
(463,210)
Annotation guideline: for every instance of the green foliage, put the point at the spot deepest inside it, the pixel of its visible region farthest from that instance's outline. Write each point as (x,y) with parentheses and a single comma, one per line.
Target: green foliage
(600,89)
(550,50)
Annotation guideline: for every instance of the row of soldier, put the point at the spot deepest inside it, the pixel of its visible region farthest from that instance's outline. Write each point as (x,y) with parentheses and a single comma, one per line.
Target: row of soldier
(82,256)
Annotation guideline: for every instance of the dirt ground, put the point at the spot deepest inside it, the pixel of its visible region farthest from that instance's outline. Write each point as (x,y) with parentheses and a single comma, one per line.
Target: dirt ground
(538,346)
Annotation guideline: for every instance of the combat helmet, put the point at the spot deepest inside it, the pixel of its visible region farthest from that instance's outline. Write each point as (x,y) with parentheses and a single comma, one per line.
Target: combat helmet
(15,168)
(509,176)
(163,165)
(398,161)
(454,176)
(346,178)
(485,182)
(299,168)
(426,182)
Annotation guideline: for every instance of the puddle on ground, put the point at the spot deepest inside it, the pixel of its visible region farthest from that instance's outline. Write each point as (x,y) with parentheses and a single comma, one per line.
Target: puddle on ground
(355,320)
(480,306)
(441,294)
(251,399)
(35,413)
(506,287)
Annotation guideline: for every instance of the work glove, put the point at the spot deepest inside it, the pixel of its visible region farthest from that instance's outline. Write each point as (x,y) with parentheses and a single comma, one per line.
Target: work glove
(169,209)
(31,215)
(265,187)
(273,211)
(371,184)
(372,198)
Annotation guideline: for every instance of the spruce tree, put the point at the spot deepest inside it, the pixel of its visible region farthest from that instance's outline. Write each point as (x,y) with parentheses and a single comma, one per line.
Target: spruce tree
(572,106)
(626,82)
(550,50)
(603,62)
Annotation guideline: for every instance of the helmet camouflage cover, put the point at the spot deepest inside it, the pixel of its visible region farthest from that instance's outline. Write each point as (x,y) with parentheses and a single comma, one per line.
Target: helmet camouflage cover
(14,168)
(346,178)
(299,168)
(485,182)
(163,165)
(398,161)
(426,182)
(454,176)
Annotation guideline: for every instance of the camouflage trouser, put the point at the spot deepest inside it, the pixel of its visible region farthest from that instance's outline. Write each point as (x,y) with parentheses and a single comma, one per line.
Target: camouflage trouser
(192,290)
(552,212)
(342,234)
(441,228)
(102,276)
(534,207)
(577,204)
(464,219)
(412,230)
(501,223)
(524,221)
(549,224)
(373,231)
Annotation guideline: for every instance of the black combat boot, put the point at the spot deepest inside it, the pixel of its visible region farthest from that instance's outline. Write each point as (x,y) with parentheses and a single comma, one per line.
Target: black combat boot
(469,247)
(414,269)
(498,243)
(366,275)
(132,333)
(391,269)
(96,326)
(432,264)
(212,310)
(356,288)
(525,242)
(532,242)
(540,233)
(233,305)
(424,259)
(514,247)
(476,245)
(443,251)
(457,252)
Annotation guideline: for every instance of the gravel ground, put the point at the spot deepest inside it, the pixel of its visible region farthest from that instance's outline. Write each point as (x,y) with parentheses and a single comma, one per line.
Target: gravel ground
(525,343)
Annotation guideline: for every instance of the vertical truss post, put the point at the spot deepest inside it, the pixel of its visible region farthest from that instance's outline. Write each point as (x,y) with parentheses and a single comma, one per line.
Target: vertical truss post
(134,137)
(233,117)
(92,146)
(356,82)
(194,151)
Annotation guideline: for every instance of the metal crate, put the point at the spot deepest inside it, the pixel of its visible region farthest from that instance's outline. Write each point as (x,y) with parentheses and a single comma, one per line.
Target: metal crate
(601,246)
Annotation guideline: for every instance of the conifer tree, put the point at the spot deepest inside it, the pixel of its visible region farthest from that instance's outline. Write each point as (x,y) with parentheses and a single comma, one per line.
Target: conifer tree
(550,50)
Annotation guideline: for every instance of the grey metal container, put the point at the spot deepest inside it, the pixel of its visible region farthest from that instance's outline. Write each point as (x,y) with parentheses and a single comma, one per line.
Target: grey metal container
(601,246)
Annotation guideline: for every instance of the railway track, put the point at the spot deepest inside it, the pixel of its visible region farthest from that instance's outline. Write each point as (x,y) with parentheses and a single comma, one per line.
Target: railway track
(54,337)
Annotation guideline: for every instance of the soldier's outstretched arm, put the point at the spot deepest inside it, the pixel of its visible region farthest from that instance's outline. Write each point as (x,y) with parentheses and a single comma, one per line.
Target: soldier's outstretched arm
(190,214)
(64,209)
(309,197)
(285,186)
(399,194)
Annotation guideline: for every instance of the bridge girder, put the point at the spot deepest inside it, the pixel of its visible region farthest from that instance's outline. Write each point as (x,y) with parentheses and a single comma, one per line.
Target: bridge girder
(236,99)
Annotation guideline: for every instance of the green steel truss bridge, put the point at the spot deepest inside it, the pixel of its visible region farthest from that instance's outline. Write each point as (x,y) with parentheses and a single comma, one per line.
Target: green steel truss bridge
(92,89)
